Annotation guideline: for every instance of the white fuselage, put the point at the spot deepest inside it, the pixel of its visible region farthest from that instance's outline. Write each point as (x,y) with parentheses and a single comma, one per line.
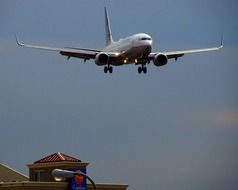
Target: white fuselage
(132,49)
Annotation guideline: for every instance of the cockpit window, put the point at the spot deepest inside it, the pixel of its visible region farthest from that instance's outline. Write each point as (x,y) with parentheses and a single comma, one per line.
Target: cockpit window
(145,38)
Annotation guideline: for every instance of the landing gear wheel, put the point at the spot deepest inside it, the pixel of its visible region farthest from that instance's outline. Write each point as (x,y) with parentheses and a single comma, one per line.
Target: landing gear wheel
(110,69)
(105,69)
(144,70)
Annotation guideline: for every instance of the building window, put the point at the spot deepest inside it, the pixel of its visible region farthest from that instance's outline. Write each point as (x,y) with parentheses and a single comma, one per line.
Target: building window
(39,175)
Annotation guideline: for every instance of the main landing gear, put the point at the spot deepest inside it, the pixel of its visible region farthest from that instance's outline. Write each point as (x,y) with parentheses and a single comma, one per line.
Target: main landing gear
(108,68)
(143,69)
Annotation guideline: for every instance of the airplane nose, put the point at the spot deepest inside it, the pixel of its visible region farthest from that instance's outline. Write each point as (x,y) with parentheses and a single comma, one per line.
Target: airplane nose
(147,42)
(149,45)
(150,42)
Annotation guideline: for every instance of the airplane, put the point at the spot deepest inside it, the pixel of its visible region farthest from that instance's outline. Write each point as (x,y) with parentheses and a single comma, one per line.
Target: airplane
(135,49)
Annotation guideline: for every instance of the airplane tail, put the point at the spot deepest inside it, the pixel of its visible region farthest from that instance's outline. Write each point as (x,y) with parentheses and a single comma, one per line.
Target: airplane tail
(107,28)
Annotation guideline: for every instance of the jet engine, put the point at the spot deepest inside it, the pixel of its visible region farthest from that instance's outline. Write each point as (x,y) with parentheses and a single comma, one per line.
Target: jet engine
(160,60)
(102,59)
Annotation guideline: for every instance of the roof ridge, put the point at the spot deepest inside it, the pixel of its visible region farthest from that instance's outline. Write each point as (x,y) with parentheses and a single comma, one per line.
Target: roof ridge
(57,157)
(60,155)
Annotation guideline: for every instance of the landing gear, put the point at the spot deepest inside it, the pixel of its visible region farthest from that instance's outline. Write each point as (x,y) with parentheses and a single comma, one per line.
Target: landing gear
(142,69)
(105,69)
(108,68)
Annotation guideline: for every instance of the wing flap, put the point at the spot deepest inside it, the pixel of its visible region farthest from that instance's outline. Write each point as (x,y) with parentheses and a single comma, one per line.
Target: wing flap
(81,55)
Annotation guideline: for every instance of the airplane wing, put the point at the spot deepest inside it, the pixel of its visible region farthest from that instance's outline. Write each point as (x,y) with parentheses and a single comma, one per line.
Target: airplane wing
(82,53)
(176,54)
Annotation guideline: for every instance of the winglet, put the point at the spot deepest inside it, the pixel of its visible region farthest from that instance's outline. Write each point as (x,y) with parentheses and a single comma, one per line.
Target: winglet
(18,42)
(221,44)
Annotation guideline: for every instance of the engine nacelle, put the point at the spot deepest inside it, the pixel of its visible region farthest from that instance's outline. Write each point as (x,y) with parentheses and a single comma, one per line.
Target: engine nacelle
(160,60)
(102,58)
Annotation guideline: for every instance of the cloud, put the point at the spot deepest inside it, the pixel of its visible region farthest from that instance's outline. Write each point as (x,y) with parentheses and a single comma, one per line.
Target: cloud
(227,118)
(206,117)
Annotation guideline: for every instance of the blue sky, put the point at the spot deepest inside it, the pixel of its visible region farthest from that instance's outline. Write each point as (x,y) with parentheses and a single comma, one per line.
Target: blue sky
(174,128)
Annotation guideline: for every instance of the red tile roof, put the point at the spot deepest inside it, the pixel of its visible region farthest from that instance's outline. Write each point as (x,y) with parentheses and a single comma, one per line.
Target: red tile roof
(57,157)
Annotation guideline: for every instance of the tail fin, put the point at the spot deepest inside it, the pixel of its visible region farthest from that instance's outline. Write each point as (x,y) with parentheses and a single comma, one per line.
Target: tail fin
(107,28)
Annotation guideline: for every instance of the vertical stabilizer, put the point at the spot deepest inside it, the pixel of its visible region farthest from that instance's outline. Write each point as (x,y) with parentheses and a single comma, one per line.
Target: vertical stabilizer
(107,28)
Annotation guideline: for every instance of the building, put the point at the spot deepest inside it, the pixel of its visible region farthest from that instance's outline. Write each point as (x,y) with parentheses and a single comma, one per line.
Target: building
(41,170)
(40,177)
(8,174)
